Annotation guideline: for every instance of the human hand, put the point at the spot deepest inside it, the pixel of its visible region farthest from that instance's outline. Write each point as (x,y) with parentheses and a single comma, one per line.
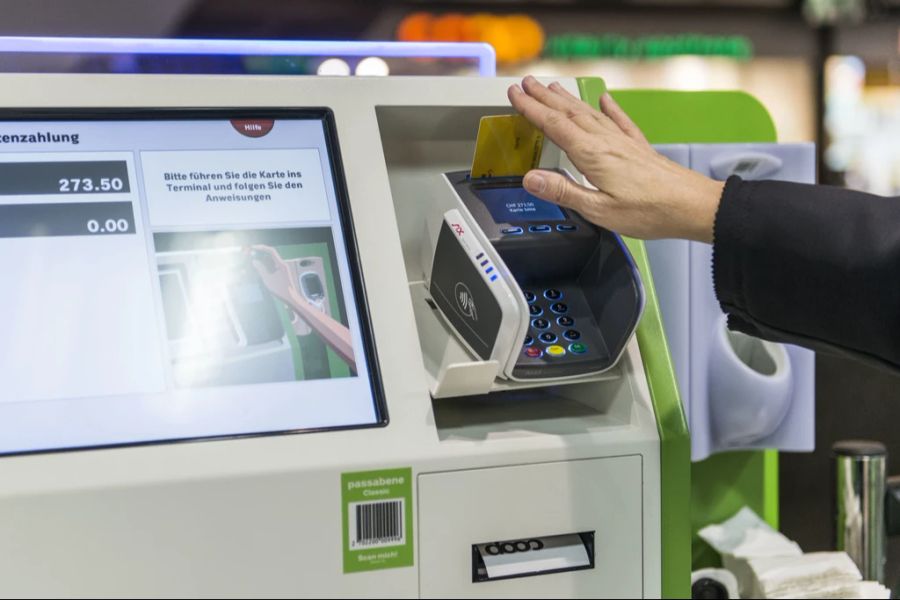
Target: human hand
(276,276)
(274,272)
(640,193)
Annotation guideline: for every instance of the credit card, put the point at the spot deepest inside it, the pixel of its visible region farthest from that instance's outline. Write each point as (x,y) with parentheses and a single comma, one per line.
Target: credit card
(507,145)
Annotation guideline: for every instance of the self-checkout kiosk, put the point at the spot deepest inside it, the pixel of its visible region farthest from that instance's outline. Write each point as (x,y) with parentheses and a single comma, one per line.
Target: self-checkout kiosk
(481,424)
(482,419)
(740,392)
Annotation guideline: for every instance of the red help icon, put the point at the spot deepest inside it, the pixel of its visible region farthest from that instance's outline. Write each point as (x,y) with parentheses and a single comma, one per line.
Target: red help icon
(253,127)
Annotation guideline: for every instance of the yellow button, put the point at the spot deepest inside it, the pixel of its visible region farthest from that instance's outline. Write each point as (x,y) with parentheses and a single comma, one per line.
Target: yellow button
(556,350)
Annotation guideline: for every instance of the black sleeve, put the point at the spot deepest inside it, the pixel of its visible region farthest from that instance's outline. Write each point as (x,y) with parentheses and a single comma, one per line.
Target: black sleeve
(815,266)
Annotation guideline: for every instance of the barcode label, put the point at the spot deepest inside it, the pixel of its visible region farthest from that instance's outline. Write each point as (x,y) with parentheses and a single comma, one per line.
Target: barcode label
(376,524)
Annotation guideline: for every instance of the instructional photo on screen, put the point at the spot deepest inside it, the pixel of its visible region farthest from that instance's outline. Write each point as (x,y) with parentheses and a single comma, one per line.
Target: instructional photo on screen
(253,306)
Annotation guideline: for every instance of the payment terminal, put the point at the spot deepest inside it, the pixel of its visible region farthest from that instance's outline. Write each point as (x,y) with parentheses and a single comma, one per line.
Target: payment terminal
(559,297)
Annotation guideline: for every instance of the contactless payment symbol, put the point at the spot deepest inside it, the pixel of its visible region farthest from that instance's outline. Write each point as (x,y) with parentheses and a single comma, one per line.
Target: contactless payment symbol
(253,127)
(465,301)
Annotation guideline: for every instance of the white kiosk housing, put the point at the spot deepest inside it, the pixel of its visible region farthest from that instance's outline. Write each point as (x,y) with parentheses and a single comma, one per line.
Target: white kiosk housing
(138,292)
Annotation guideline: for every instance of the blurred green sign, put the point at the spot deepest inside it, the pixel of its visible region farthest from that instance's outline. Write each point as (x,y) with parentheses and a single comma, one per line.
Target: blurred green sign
(577,46)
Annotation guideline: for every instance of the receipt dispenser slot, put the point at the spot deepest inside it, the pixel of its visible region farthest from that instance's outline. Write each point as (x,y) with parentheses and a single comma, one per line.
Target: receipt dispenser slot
(528,557)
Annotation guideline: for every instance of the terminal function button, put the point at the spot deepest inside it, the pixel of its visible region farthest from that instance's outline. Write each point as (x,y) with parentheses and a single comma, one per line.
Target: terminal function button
(533,352)
(556,350)
(539,229)
(565,321)
(548,337)
(572,335)
(565,228)
(530,297)
(540,323)
(552,294)
(559,308)
(577,348)
(535,310)
(511,231)
(529,340)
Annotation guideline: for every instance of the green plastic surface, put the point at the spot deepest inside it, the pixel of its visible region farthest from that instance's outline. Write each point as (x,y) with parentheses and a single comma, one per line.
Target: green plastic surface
(712,490)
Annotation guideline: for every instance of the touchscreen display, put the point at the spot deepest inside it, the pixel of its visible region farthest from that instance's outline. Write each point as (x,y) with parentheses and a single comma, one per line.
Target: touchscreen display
(514,204)
(168,277)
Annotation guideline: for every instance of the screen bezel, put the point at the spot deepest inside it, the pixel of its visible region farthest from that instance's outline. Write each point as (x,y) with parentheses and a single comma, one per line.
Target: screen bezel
(326,117)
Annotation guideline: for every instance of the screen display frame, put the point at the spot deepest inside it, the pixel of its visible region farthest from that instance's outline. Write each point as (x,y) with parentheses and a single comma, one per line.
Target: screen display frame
(345,219)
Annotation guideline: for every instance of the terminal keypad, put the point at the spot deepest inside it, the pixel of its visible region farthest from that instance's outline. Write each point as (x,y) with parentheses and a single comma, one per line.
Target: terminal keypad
(554,334)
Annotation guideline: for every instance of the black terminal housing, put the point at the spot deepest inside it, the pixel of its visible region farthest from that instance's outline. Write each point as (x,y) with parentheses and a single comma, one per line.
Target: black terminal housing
(581,285)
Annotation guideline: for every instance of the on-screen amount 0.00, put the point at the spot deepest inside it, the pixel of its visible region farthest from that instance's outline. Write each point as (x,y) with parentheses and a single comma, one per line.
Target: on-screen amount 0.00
(87,185)
(108,226)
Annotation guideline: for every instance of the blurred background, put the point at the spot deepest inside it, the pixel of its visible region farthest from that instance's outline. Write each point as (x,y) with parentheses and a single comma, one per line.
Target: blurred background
(827,70)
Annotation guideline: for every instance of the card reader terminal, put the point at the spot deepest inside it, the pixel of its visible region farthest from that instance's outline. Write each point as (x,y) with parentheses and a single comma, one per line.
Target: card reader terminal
(583,295)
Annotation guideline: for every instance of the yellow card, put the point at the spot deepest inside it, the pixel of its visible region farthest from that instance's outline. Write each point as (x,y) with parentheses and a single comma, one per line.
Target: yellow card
(507,145)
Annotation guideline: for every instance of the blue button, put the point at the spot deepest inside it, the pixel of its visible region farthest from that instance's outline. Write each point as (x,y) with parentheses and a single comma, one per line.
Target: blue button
(559,308)
(539,229)
(553,294)
(540,323)
(511,231)
(566,228)
(548,337)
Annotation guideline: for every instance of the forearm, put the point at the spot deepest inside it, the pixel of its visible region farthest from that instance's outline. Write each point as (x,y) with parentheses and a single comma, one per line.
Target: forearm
(333,333)
(813,265)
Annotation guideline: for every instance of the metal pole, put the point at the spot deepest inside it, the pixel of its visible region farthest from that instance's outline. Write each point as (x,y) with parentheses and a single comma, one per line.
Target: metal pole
(860,494)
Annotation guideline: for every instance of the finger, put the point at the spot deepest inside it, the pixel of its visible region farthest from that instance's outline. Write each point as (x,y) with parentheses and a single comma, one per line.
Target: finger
(559,89)
(559,189)
(592,125)
(618,116)
(576,105)
(550,97)
(590,119)
(555,125)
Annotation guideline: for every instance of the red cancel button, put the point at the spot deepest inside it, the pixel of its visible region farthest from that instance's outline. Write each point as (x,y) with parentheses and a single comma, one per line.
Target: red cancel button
(253,127)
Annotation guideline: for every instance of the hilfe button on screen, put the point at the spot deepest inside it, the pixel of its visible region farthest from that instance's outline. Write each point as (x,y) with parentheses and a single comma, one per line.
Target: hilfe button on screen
(539,228)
